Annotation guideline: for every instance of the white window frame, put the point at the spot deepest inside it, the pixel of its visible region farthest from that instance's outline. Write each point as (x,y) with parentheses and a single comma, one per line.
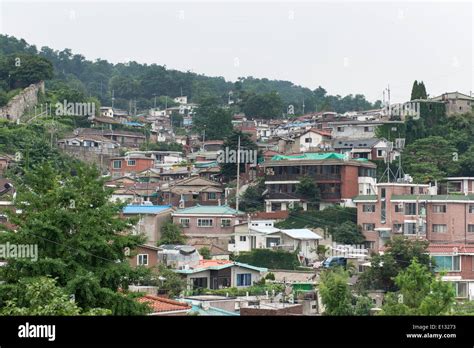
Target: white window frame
(199,223)
(444,230)
(131,163)
(141,256)
(185,225)
(119,162)
(226,225)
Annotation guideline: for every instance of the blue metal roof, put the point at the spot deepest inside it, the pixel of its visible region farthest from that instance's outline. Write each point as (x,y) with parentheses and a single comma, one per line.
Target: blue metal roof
(145,209)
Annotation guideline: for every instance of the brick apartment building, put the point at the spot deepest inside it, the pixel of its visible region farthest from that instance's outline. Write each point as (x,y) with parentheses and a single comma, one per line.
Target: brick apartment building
(442,215)
(129,165)
(339,179)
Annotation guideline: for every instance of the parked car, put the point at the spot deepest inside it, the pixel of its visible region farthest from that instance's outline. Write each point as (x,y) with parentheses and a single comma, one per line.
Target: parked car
(335,261)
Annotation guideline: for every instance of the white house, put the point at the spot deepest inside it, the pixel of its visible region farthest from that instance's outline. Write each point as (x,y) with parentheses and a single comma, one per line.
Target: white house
(311,140)
(302,240)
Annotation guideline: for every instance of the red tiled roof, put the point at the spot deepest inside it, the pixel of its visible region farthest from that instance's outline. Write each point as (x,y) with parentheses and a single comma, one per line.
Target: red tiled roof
(274,215)
(451,248)
(161,304)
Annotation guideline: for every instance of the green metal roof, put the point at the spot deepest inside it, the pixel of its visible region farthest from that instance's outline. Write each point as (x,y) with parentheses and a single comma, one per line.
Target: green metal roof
(315,156)
(219,267)
(365,198)
(460,198)
(208,210)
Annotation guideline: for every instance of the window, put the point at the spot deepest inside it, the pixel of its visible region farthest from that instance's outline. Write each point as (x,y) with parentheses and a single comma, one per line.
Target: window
(211,196)
(205,222)
(142,260)
(271,242)
(225,222)
(397,228)
(471,208)
(199,283)
(410,228)
(439,208)
(470,228)
(184,222)
(340,129)
(399,208)
(117,164)
(383,192)
(131,163)
(437,228)
(410,208)
(380,153)
(368,227)
(461,289)
(308,140)
(243,238)
(368,208)
(447,263)
(369,245)
(367,129)
(244,279)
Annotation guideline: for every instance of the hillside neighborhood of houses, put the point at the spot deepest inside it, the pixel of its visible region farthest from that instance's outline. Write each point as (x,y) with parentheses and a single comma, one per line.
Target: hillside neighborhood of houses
(342,154)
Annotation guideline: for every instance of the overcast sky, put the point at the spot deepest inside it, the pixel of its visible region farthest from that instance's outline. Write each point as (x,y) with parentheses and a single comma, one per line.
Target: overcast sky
(344,46)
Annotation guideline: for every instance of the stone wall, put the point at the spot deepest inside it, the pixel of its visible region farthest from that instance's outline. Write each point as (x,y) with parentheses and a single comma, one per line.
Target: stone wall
(20,103)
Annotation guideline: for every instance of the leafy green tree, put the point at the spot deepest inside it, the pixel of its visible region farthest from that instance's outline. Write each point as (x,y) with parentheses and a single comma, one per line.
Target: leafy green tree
(272,259)
(205,253)
(253,199)
(42,296)
(80,237)
(21,70)
(418,91)
(430,159)
(308,190)
(421,293)
(212,120)
(171,234)
(398,256)
(268,105)
(348,233)
(335,293)
(170,282)
(229,166)
(363,306)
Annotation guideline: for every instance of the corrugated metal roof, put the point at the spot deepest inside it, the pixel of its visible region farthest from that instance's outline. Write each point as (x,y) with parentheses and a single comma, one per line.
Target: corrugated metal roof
(302,233)
(145,209)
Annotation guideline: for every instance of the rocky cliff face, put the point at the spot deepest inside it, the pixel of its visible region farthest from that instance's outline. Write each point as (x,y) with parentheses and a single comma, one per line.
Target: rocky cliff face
(22,102)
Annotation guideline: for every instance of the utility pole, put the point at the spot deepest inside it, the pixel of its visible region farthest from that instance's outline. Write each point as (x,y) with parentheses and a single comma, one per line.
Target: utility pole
(389,106)
(303,105)
(238,176)
(113,99)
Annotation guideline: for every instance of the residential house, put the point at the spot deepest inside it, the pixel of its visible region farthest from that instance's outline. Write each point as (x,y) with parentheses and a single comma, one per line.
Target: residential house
(150,220)
(208,224)
(303,241)
(339,179)
(312,140)
(129,165)
(456,103)
(219,274)
(371,149)
(145,255)
(191,191)
(355,130)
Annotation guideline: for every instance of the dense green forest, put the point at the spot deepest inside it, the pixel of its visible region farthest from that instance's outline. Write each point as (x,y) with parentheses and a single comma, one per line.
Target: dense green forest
(133,82)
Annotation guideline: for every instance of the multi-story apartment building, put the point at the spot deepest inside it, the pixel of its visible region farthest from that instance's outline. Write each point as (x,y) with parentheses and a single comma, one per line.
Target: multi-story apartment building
(338,178)
(442,215)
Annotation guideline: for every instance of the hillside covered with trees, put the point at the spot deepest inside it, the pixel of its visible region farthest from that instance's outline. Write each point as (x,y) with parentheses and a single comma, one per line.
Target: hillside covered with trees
(133,82)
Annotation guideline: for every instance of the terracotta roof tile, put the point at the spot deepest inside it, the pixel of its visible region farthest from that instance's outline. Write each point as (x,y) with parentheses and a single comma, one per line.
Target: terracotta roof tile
(161,304)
